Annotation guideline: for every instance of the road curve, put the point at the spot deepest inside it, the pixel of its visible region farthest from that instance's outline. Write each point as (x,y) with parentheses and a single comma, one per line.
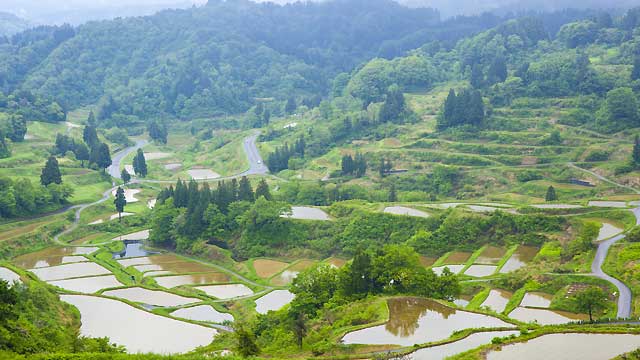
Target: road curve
(625,296)
(116,159)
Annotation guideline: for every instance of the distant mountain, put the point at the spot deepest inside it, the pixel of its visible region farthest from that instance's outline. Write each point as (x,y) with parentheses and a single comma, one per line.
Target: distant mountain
(450,8)
(11,24)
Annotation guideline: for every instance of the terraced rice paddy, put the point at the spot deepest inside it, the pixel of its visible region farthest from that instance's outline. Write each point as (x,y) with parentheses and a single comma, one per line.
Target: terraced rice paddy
(481,270)
(491,255)
(569,347)
(418,321)
(519,259)
(497,300)
(544,316)
(137,330)
(227,291)
(88,285)
(266,268)
(536,299)
(150,297)
(192,279)
(53,257)
(274,300)
(308,213)
(202,313)
(8,275)
(67,271)
(401,210)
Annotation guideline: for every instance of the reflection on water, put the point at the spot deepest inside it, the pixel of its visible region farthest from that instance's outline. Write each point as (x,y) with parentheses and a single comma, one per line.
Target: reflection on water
(181,267)
(470,342)
(480,270)
(491,255)
(418,321)
(132,249)
(53,256)
(569,347)
(195,279)
(519,259)
(497,300)
(202,313)
(137,330)
(274,300)
(544,316)
(536,299)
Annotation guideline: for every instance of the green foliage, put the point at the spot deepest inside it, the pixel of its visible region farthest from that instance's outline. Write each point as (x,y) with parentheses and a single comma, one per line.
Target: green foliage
(120,201)
(354,166)
(262,190)
(619,111)
(464,108)
(140,164)
(126,177)
(635,154)
(51,172)
(551,194)
(33,320)
(591,300)
(245,342)
(20,197)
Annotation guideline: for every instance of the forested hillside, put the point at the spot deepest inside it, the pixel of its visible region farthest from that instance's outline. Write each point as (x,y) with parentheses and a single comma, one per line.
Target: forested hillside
(216,59)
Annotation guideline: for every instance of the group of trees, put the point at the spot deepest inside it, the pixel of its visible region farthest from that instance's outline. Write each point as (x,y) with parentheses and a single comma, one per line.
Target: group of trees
(140,164)
(51,172)
(158,132)
(464,108)
(321,290)
(20,197)
(188,211)
(356,166)
(283,156)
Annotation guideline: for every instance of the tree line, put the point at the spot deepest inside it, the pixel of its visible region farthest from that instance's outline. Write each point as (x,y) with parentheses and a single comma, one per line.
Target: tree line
(280,159)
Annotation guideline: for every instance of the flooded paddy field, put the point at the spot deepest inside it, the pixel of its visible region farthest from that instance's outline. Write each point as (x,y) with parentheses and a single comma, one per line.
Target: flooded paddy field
(523,255)
(88,285)
(227,291)
(192,279)
(418,321)
(202,313)
(66,271)
(274,300)
(401,210)
(151,297)
(266,268)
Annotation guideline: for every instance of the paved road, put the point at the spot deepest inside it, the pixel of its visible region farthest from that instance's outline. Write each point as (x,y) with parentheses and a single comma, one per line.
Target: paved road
(625,296)
(116,159)
(256,165)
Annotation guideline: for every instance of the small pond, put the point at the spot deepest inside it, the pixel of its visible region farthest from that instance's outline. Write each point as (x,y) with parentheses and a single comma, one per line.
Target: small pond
(419,321)
(274,300)
(569,347)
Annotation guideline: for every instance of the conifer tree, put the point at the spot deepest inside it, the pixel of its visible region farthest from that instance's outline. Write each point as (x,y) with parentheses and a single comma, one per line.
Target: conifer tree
(90,135)
(140,164)
(477,77)
(51,172)
(245,192)
(551,194)
(103,159)
(120,202)
(262,190)
(82,153)
(635,157)
(393,197)
(18,128)
(126,177)
(291,106)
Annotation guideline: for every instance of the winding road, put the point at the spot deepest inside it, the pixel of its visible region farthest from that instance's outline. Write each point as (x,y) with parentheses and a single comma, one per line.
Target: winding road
(625,296)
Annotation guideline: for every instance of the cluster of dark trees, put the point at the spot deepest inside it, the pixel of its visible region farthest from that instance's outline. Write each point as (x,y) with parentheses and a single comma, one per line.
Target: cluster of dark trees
(393,108)
(190,211)
(356,166)
(15,127)
(158,132)
(464,108)
(140,164)
(31,107)
(90,149)
(280,159)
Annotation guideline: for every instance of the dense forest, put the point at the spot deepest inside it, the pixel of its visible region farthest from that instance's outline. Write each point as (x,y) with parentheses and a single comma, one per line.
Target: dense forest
(225,56)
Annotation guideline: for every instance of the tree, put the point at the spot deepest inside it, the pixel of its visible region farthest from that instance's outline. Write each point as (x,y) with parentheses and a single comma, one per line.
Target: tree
(619,110)
(635,73)
(90,135)
(590,300)
(82,153)
(393,197)
(262,190)
(497,70)
(51,172)
(120,202)
(291,106)
(245,192)
(394,106)
(158,132)
(347,165)
(245,342)
(140,164)
(104,156)
(635,156)
(551,194)
(477,77)
(18,128)
(126,177)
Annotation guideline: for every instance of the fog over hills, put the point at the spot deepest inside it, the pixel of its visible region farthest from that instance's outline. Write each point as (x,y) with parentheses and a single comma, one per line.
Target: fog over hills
(79,11)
